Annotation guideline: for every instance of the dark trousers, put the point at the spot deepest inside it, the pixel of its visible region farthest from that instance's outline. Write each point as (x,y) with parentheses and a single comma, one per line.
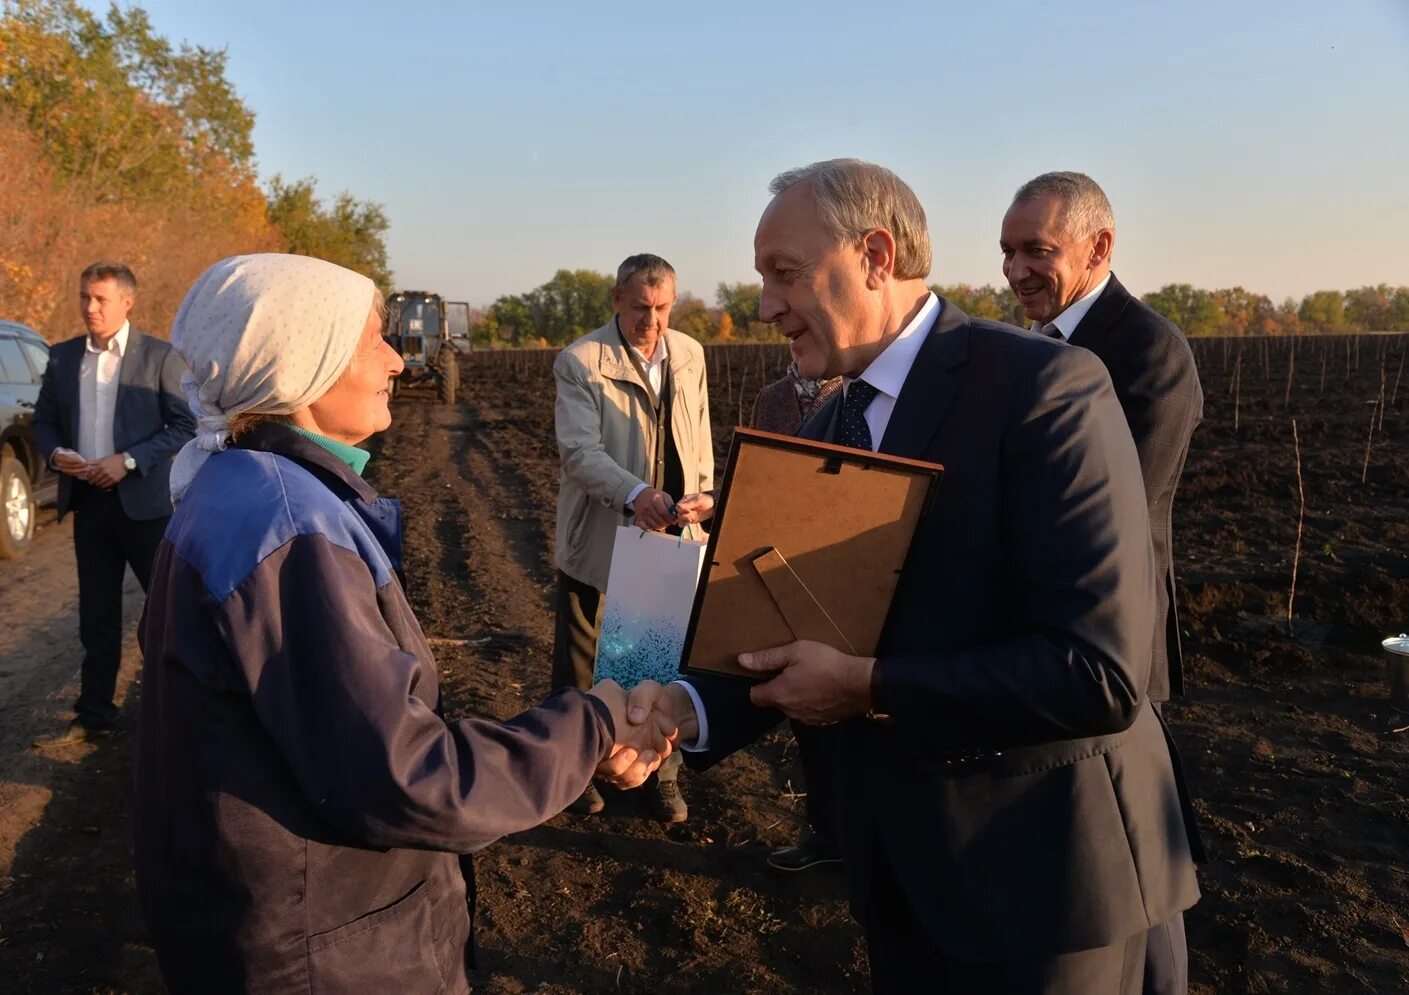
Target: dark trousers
(578,620)
(905,960)
(105,543)
(817,749)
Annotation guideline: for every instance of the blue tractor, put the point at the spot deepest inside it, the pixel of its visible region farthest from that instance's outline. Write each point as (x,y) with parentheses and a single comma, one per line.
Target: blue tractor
(430,333)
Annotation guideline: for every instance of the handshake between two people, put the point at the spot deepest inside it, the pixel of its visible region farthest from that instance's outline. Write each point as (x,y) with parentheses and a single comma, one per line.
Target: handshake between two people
(649,721)
(811,682)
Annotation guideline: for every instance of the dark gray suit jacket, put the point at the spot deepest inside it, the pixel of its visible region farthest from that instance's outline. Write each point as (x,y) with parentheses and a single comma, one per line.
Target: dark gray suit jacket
(1023,793)
(151,419)
(1152,369)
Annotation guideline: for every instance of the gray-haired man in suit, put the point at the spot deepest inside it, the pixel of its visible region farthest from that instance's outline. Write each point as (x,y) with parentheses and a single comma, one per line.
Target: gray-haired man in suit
(1010,817)
(109,418)
(1057,240)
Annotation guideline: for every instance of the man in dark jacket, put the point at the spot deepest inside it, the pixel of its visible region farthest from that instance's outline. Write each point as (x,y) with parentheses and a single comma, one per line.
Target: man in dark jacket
(1057,240)
(109,418)
(1011,820)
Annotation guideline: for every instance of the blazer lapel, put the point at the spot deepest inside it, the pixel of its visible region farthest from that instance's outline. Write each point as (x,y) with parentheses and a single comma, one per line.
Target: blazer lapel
(131,375)
(1100,322)
(929,386)
(130,372)
(67,358)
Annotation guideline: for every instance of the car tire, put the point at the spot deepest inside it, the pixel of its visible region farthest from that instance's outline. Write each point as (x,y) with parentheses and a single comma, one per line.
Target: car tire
(17,509)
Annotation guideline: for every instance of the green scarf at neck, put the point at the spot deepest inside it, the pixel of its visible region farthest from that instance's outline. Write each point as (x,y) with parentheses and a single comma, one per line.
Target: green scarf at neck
(351,455)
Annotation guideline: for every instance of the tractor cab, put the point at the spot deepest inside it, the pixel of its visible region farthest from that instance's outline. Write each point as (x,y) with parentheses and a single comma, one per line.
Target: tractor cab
(429,333)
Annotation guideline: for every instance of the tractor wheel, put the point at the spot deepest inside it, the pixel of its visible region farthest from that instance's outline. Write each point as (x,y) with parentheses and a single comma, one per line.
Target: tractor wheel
(447,380)
(16,508)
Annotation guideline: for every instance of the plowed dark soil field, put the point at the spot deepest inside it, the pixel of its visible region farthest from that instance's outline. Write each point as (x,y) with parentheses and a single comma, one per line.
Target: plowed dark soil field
(1295,754)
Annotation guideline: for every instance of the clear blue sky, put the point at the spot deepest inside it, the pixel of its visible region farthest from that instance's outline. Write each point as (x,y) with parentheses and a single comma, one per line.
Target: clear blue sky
(1260,143)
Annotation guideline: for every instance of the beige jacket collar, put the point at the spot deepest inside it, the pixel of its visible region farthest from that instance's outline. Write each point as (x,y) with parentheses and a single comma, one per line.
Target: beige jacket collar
(617,365)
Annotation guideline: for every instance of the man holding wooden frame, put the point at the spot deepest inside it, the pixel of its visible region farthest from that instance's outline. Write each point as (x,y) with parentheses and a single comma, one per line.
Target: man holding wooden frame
(1010,816)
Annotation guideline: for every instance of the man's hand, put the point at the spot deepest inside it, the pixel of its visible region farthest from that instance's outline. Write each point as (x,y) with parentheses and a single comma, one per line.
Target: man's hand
(694,508)
(815,684)
(69,462)
(653,510)
(642,741)
(670,707)
(106,472)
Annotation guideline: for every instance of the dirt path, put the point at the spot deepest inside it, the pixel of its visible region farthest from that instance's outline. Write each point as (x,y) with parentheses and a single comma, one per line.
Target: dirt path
(68,916)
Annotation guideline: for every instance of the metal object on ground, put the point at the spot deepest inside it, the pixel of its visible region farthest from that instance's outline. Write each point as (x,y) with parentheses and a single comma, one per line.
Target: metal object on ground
(1397,668)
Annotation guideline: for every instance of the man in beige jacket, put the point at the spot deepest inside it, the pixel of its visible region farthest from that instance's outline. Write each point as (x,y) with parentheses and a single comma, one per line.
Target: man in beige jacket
(633,433)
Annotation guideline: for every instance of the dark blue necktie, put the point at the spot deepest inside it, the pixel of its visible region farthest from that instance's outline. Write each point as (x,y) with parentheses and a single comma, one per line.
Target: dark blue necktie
(854,430)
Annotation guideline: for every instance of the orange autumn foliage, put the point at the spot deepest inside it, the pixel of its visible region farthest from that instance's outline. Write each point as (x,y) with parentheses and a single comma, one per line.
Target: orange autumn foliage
(50,228)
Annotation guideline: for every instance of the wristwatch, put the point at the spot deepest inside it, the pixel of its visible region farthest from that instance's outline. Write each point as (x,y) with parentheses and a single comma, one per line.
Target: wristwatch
(128,463)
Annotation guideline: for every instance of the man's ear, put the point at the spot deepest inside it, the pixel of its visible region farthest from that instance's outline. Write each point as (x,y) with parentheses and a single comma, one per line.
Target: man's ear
(1102,246)
(878,255)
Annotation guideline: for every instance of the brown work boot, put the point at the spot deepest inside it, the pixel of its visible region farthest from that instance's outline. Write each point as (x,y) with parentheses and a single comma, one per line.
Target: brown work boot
(667,802)
(590,802)
(77,732)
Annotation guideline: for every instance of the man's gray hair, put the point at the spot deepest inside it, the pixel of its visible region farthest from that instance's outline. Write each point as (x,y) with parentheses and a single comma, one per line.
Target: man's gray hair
(652,269)
(854,197)
(1085,209)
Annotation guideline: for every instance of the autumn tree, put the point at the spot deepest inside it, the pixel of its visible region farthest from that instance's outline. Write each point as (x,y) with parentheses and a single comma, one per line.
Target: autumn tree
(1193,310)
(1244,313)
(115,144)
(351,233)
(118,109)
(1324,311)
(571,304)
(691,316)
(1368,309)
(988,302)
(739,301)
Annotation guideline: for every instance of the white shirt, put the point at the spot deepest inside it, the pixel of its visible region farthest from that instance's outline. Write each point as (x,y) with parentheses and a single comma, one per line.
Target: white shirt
(97,394)
(655,373)
(887,374)
(1067,321)
(888,371)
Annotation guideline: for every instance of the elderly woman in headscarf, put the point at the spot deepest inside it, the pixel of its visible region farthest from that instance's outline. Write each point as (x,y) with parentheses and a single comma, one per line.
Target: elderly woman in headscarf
(301,803)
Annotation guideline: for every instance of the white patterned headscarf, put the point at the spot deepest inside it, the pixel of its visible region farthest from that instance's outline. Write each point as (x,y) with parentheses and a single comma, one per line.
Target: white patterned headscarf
(268,334)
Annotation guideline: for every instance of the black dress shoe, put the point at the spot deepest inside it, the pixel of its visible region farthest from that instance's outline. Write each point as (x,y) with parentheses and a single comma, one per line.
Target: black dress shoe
(815,851)
(77,732)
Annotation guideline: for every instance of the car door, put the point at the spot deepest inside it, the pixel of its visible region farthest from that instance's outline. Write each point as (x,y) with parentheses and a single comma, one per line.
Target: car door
(20,377)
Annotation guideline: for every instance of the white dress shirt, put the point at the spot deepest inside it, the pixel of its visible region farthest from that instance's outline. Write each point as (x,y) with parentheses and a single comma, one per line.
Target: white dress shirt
(97,394)
(655,374)
(887,374)
(888,371)
(1067,321)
